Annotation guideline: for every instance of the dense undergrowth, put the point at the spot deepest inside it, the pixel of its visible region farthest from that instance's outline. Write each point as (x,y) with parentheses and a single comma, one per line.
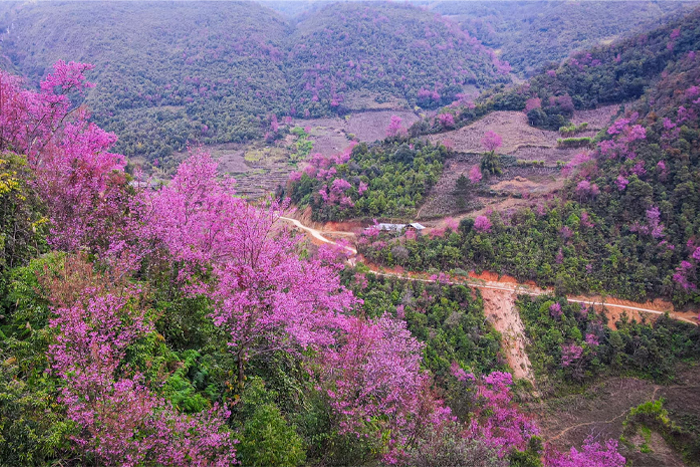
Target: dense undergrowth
(574,344)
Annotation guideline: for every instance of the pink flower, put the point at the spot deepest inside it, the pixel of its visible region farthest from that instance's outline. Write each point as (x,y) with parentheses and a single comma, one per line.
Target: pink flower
(395,127)
(621,182)
(491,141)
(362,188)
(460,374)
(295,176)
(446,120)
(482,224)
(475,174)
(533,103)
(555,310)
(451,224)
(570,353)
(592,340)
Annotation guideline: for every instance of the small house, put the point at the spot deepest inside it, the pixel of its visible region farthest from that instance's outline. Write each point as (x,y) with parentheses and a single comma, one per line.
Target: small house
(416,227)
(398,228)
(391,227)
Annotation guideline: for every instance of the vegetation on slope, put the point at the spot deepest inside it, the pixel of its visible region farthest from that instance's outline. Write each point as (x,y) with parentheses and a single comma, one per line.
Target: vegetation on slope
(612,74)
(387,179)
(449,319)
(165,73)
(179,325)
(533,34)
(390,50)
(627,221)
(572,343)
(169,74)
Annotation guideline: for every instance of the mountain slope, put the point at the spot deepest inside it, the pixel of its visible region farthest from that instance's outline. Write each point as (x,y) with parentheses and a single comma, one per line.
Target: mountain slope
(530,34)
(394,51)
(165,73)
(215,72)
(626,222)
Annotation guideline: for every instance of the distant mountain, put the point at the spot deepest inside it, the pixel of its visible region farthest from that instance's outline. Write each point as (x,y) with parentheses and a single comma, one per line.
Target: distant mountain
(529,34)
(391,50)
(165,72)
(172,72)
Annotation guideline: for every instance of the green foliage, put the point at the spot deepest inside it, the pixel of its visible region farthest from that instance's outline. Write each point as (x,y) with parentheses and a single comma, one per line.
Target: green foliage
(531,457)
(651,416)
(491,164)
(447,318)
(181,389)
(267,439)
(573,129)
(22,224)
(303,145)
(33,429)
(398,175)
(574,142)
(645,349)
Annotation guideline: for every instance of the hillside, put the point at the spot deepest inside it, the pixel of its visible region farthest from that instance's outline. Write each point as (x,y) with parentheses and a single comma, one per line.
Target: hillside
(530,34)
(215,72)
(393,51)
(625,221)
(165,73)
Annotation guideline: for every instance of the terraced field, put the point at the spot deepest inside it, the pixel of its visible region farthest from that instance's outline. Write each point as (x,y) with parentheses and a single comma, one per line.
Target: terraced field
(522,142)
(260,168)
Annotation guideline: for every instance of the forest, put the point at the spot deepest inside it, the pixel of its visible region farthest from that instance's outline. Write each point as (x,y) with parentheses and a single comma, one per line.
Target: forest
(535,34)
(152,322)
(388,179)
(627,220)
(160,87)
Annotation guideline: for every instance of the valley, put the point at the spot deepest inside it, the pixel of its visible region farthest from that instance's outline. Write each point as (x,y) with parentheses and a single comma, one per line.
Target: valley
(352,233)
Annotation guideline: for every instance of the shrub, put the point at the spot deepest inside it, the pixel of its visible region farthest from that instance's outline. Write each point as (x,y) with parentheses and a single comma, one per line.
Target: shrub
(267,439)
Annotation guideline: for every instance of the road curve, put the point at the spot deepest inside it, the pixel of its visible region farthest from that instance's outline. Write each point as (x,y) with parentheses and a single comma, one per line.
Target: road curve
(519,289)
(318,235)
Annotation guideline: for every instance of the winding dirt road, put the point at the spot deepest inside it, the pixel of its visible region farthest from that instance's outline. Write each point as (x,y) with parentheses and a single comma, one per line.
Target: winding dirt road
(499,302)
(482,284)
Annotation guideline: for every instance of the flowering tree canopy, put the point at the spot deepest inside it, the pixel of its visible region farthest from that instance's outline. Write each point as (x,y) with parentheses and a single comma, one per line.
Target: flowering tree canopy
(491,141)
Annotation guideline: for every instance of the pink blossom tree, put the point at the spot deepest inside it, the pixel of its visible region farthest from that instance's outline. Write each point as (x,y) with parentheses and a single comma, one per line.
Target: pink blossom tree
(475,174)
(491,141)
(482,224)
(263,293)
(120,421)
(82,183)
(395,128)
(497,421)
(533,103)
(446,120)
(375,384)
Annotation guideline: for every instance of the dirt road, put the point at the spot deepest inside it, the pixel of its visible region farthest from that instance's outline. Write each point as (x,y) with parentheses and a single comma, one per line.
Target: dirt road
(499,302)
